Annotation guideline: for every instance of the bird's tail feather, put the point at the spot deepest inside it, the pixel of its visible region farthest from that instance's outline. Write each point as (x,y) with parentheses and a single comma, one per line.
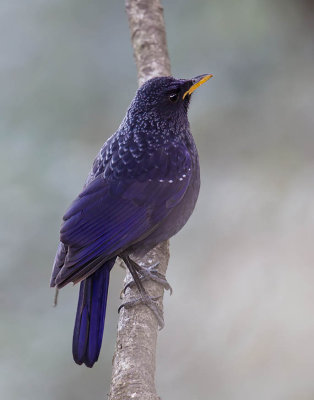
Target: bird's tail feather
(90,316)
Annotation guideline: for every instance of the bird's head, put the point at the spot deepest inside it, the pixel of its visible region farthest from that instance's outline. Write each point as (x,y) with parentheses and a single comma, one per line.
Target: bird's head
(167,97)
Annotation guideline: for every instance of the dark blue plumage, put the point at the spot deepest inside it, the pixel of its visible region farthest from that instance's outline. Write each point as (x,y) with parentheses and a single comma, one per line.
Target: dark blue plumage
(141,191)
(90,317)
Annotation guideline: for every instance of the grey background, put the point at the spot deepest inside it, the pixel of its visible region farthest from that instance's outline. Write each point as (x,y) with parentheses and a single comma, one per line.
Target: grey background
(240,324)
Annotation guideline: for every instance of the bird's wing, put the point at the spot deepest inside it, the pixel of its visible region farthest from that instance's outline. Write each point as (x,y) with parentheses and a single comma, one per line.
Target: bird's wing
(118,209)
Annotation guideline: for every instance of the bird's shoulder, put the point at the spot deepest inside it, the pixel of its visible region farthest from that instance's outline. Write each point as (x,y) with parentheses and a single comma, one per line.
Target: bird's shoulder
(127,157)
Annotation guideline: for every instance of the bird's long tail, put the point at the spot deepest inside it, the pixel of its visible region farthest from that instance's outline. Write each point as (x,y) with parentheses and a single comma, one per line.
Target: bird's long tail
(90,316)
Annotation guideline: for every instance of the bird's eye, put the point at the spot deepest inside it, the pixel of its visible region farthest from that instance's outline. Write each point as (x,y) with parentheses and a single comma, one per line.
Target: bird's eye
(173,97)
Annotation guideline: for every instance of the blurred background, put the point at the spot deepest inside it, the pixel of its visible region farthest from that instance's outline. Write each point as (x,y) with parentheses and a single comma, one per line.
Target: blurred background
(240,324)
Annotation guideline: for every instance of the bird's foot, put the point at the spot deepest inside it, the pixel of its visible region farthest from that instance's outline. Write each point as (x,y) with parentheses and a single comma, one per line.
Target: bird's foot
(145,298)
(149,273)
(151,303)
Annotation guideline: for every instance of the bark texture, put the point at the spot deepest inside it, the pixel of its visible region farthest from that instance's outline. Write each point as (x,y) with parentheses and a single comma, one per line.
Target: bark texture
(148,36)
(134,361)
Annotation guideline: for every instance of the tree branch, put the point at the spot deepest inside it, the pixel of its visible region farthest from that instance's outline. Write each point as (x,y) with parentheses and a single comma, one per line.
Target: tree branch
(134,362)
(148,37)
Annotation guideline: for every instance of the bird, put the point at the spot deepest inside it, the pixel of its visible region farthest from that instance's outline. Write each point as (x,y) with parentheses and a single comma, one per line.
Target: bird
(141,190)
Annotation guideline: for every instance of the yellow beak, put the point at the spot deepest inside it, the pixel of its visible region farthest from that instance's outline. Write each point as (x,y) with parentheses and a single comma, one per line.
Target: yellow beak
(197,82)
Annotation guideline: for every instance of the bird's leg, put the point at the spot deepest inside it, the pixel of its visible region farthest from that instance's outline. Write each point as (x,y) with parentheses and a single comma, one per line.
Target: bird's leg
(149,272)
(150,302)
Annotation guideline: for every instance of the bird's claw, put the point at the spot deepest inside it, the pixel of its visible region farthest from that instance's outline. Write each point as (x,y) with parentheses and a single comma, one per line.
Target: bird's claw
(149,273)
(151,303)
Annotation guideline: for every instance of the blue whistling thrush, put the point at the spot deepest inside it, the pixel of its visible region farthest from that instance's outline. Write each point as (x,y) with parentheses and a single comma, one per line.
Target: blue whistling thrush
(141,190)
